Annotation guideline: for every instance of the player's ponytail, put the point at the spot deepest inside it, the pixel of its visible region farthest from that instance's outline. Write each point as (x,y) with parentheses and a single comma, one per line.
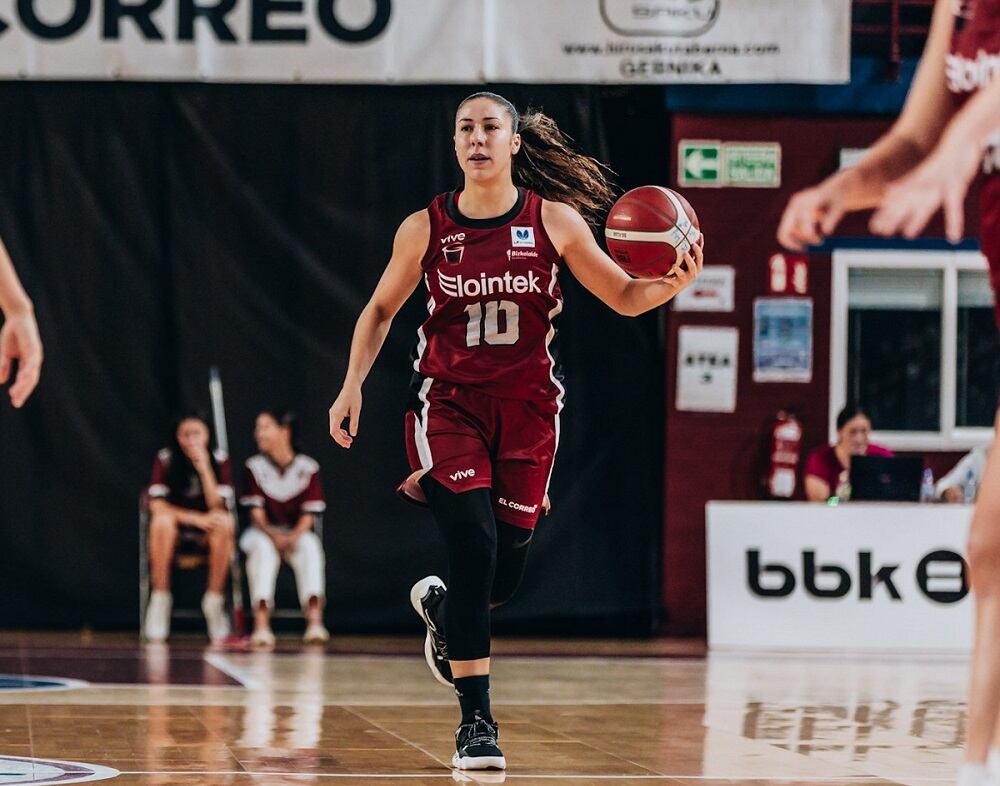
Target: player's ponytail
(549,166)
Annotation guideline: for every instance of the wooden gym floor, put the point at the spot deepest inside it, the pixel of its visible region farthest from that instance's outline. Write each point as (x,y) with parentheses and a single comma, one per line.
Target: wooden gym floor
(645,713)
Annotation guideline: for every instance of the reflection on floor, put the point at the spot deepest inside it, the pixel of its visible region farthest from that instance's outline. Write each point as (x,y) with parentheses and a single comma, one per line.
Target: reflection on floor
(197,716)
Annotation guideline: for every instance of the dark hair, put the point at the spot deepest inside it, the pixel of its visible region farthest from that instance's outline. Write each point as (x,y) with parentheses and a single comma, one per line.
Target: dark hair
(181,469)
(285,418)
(549,166)
(848,413)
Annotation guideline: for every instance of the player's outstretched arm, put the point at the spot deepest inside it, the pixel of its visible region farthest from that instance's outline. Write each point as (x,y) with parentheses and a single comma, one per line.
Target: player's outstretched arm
(943,179)
(398,281)
(575,242)
(19,338)
(813,213)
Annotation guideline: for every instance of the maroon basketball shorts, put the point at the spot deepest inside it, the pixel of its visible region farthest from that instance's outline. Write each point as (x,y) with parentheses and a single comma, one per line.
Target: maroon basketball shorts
(468,440)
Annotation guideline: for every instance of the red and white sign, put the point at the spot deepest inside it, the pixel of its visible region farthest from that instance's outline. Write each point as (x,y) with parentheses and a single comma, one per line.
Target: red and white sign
(713,290)
(788,275)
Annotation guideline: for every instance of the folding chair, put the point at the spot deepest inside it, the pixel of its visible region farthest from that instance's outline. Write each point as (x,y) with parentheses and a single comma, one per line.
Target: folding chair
(186,561)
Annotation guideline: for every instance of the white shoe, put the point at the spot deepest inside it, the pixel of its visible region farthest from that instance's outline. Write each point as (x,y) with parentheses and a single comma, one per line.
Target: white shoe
(426,597)
(262,637)
(156,628)
(213,606)
(316,633)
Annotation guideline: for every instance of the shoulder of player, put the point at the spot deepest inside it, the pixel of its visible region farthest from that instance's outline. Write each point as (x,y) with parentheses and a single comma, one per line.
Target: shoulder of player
(415,231)
(563,223)
(307,463)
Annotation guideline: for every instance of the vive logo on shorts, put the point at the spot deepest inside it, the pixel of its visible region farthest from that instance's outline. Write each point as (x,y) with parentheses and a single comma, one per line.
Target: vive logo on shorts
(463,474)
(522,236)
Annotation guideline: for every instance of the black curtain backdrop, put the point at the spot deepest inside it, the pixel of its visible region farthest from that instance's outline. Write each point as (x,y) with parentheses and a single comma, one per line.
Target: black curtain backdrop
(164,228)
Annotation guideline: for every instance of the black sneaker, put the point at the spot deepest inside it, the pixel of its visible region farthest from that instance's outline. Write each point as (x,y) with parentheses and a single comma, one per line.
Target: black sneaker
(426,597)
(476,747)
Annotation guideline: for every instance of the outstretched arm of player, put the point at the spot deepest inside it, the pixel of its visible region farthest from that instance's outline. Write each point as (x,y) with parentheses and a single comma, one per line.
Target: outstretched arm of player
(942,180)
(400,278)
(814,213)
(19,338)
(575,242)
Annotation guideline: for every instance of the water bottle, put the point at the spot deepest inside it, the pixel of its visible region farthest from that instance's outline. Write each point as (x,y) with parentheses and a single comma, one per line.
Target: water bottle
(927,486)
(969,489)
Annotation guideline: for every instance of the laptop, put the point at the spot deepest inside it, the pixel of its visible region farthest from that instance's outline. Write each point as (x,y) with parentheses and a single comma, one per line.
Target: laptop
(886,478)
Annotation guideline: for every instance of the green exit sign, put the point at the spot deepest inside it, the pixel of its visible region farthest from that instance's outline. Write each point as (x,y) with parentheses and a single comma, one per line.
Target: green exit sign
(713,163)
(700,163)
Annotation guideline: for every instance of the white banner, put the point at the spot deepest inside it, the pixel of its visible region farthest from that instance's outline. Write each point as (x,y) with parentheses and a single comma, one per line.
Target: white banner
(357,41)
(851,577)
(426,41)
(660,41)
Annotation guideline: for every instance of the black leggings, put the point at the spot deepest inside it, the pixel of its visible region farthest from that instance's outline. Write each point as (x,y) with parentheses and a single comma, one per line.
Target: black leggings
(486,560)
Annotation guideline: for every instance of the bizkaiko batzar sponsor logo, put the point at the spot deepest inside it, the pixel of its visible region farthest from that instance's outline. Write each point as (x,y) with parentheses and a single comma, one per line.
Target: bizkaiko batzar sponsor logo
(507,284)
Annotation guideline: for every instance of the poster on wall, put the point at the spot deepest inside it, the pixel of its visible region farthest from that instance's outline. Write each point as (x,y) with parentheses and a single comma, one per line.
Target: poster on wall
(713,290)
(706,369)
(782,339)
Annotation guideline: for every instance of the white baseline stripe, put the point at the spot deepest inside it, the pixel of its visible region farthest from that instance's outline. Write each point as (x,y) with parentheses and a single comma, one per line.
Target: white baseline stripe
(231,670)
(547,776)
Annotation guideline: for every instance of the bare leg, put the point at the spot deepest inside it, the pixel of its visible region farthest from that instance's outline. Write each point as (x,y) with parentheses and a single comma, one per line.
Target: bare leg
(261,616)
(220,547)
(984,563)
(470,668)
(314,611)
(162,541)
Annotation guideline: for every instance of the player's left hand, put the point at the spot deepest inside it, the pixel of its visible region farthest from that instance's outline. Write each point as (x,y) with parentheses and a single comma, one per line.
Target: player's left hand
(940,182)
(19,340)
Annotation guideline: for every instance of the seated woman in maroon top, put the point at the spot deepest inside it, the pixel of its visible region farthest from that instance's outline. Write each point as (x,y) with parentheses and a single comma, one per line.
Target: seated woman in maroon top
(827,466)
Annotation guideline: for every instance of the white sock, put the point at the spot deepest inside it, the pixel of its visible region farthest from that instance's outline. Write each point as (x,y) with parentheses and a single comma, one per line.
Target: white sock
(993,763)
(972,774)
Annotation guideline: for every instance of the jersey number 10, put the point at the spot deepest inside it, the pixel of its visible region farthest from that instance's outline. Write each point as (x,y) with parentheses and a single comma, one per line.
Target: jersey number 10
(487,328)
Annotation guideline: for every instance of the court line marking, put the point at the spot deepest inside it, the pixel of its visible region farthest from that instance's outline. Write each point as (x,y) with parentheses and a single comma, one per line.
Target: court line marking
(58,684)
(402,739)
(547,776)
(231,670)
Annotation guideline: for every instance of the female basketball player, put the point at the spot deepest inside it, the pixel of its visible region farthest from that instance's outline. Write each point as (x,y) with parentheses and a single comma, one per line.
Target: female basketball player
(484,424)
(924,163)
(19,335)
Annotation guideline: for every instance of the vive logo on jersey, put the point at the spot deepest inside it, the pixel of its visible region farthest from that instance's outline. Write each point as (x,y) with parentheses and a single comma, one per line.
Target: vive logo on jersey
(452,247)
(507,284)
(523,237)
(463,474)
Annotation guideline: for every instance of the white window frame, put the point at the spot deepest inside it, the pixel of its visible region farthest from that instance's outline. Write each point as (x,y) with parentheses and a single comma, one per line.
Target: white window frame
(950,437)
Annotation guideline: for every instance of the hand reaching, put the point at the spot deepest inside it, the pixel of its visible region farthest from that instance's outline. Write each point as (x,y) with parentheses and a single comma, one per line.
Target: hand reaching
(19,340)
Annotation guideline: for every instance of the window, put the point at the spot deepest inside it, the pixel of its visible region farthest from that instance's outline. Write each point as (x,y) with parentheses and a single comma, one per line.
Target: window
(914,342)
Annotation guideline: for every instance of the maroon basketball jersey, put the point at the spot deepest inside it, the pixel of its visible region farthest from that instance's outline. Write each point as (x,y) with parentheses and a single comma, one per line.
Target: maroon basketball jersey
(973,62)
(492,296)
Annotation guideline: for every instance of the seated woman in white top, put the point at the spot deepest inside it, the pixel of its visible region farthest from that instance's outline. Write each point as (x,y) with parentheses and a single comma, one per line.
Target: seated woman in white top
(283,492)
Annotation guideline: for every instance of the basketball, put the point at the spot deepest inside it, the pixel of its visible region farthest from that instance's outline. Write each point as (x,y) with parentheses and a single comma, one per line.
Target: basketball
(649,229)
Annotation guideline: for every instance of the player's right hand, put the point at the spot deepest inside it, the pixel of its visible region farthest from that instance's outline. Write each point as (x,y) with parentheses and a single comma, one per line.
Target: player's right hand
(812,214)
(346,407)
(19,341)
